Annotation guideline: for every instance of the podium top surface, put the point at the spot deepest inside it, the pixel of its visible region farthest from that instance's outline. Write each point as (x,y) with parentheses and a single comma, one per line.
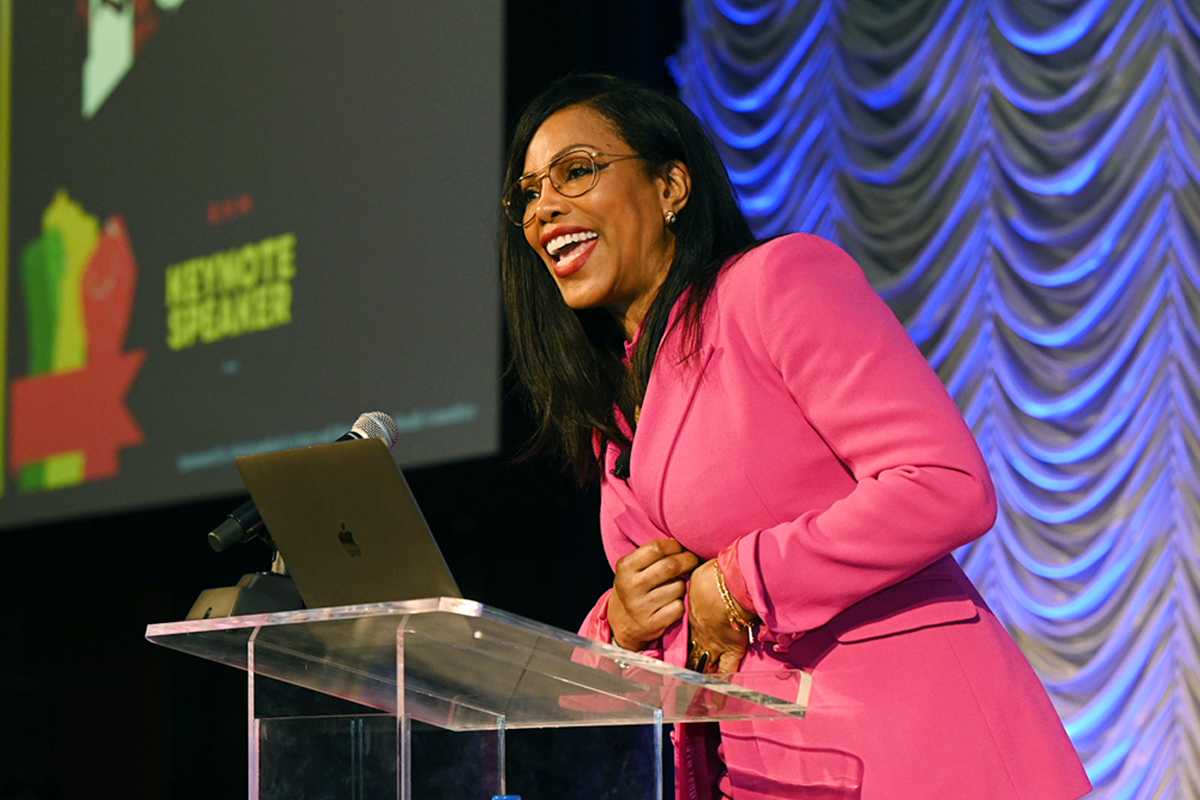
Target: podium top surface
(465,666)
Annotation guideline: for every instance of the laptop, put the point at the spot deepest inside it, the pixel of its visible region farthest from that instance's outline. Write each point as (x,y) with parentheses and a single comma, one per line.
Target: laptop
(347,524)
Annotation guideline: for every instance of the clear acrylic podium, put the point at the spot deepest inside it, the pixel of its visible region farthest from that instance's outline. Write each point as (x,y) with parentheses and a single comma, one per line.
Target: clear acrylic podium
(430,698)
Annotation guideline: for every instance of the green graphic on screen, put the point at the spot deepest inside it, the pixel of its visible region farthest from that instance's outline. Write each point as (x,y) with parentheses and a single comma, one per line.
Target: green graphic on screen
(68,413)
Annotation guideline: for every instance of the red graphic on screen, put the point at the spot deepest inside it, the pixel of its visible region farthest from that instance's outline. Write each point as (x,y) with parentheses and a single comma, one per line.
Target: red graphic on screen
(145,18)
(84,410)
(231,208)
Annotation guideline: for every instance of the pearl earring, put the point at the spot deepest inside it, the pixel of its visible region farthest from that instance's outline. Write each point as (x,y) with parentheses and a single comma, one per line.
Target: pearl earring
(670,217)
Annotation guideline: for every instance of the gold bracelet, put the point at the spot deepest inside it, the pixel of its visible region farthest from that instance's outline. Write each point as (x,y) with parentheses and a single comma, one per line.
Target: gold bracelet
(737,620)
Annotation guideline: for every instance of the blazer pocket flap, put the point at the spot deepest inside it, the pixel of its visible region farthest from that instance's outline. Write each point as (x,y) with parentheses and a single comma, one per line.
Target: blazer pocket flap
(908,606)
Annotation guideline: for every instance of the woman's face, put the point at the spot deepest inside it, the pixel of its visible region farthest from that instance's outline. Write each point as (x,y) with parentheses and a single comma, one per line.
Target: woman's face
(621,268)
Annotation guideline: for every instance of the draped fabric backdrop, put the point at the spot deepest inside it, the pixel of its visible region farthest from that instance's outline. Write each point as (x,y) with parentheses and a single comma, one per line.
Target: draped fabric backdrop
(1021,181)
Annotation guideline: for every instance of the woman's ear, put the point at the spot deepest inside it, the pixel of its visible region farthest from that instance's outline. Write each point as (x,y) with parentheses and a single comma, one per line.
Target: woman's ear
(676,186)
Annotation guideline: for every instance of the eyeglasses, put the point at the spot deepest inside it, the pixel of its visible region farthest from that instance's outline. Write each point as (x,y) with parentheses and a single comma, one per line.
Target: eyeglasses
(572,174)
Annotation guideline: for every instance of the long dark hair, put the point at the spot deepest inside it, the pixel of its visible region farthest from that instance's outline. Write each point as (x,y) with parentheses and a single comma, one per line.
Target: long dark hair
(571,362)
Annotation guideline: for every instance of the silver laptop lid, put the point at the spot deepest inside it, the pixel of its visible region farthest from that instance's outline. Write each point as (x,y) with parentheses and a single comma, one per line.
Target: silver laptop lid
(347,524)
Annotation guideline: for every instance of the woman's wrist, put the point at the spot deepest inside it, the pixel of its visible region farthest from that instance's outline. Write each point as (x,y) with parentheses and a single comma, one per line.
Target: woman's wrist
(735,581)
(739,618)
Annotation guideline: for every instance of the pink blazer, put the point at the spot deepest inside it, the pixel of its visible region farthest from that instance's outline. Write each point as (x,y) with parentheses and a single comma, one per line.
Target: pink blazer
(811,431)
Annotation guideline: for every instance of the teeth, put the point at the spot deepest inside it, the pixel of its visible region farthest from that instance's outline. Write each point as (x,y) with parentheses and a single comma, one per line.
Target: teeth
(572,257)
(559,242)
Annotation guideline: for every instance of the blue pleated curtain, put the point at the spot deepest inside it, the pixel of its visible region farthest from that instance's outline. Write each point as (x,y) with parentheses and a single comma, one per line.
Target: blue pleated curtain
(1021,182)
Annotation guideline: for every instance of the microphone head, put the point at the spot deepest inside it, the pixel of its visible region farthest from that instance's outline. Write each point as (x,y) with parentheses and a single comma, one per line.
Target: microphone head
(377,425)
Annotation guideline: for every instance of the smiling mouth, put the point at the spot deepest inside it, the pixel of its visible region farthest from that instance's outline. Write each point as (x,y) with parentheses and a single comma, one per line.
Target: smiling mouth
(570,263)
(560,248)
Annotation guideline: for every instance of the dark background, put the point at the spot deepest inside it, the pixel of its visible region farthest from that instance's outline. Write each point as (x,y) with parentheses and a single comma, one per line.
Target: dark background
(92,709)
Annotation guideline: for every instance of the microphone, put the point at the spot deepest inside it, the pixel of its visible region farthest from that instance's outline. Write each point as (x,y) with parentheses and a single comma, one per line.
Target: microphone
(244,522)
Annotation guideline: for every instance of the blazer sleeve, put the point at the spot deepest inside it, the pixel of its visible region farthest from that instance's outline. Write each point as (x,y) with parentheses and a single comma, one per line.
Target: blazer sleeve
(922,487)
(595,625)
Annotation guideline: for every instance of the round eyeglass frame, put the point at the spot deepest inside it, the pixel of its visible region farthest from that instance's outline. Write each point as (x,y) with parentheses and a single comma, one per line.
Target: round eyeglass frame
(545,172)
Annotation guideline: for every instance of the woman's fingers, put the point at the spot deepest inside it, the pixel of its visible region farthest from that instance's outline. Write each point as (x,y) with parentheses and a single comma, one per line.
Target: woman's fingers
(666,569)
(666,616)
(703,656)
(633,583)
(709,626)
(647,554)
(729,660)
(722,657)
(661,595)
(666,591)
(652,613)
(649,586)
(648,615)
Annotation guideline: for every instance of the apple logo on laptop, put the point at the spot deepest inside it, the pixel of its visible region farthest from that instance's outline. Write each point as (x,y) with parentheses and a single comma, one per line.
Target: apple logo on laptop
(346,537)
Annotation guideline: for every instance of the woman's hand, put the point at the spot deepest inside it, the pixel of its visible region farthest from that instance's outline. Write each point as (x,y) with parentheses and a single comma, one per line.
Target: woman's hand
(708,622)
(648,592)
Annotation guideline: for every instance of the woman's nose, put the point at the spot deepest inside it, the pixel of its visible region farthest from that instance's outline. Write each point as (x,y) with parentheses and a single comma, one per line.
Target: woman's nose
(550,203)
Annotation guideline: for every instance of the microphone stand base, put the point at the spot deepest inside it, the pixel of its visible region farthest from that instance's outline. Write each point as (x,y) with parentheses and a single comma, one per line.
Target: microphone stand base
(256,593)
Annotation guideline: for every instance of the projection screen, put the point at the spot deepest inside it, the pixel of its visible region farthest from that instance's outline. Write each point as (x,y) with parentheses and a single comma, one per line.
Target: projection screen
(232,227)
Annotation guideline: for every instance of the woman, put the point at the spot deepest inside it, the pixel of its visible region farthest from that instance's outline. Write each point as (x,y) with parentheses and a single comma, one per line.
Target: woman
(783,478)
